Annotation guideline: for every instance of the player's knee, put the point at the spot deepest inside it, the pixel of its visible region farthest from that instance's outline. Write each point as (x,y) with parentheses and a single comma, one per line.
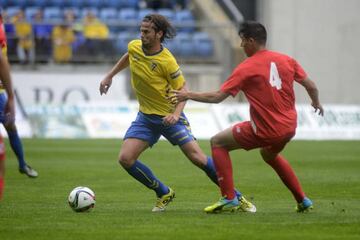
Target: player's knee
(215,141)
(266,155)
(126,161)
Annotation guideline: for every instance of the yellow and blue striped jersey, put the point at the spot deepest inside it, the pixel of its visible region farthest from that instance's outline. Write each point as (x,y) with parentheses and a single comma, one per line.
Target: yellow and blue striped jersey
(152,77)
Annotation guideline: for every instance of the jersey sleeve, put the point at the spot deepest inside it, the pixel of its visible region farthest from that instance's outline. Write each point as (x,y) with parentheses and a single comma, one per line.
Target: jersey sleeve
(174,75)
(234,83)
(299,73)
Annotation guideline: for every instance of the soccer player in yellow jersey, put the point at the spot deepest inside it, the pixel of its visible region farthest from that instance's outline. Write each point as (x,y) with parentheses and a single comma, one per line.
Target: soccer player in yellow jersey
(154,73)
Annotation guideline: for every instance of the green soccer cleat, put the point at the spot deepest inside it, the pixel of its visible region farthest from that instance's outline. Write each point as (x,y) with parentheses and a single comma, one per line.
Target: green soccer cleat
(305,206)
(163,201)
(246,206)
(223,205)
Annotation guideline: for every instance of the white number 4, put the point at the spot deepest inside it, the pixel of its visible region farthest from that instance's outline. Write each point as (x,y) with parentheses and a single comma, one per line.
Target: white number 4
(275,80)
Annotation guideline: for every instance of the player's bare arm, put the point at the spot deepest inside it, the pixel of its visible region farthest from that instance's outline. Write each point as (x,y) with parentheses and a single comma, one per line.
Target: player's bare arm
(105,84)
(206,97)
(313,92)
(174,117)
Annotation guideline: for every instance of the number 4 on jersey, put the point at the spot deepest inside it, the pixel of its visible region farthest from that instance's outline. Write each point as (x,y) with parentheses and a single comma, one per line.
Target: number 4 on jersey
(275,80)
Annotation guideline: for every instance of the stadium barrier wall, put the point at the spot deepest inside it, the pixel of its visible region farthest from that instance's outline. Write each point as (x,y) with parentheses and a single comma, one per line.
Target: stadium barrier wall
(111,120)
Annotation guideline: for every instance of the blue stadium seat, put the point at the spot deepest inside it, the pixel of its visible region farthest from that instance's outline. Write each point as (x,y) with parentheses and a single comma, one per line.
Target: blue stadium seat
(17,3)
(185,20)
(204,46)
(60,3)
(172,46)
(122,41)
(12,11)
(168,13)
(3,3)
(143,12)
(108,14)
(128,16)
(38,3)
(94,3)
(76,11)
(53,14)
(112,4)
(121,3)
(185,44)
(30,13)
(85,11)
(77,3)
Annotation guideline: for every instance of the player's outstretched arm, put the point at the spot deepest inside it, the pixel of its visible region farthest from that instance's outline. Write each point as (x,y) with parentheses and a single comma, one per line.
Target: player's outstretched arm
(105,84)
(313,92)
(206,97)
(6,81)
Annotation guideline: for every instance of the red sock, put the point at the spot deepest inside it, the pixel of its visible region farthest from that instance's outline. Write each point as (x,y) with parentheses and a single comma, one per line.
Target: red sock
(287,175)
(224,172)
(1,186)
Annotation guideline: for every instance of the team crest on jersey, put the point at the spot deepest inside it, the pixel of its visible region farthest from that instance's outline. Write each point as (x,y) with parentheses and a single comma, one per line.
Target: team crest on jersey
(153,66)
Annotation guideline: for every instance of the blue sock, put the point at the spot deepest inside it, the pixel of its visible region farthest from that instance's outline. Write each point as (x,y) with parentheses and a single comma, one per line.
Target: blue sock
(143,174)
(16,146)
(211,172)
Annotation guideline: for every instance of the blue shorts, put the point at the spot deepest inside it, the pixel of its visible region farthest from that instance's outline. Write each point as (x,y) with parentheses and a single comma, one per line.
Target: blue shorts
(150,127)
(3,100)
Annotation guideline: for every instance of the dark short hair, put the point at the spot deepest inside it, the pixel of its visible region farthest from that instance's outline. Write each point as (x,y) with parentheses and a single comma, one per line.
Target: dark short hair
(161,24)
(255,30)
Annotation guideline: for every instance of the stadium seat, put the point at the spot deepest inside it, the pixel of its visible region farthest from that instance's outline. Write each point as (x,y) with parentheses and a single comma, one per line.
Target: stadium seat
(112,4)
(76,11)
(60,3)
(12,11)
(168,13)
(30,13)
(122,41)
(143,12)
(77,3)
(185,44)
(185,21)
(204,46)
(172,46)
(17,3)
(53,14)
(128,16)
(85,11)
(94,3)
(108,14)
(36,3)
(4,3)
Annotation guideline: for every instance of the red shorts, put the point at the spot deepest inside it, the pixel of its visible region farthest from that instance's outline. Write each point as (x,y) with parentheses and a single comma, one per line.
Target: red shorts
(245,136)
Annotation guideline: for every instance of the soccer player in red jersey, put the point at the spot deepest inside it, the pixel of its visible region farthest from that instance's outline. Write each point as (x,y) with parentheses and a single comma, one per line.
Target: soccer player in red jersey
(266,78)
(9,112)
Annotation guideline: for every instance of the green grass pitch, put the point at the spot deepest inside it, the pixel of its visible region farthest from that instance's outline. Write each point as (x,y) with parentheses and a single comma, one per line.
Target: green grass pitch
(37,208)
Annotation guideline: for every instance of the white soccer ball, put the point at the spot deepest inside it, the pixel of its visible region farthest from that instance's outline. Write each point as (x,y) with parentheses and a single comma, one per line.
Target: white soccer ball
(81,199)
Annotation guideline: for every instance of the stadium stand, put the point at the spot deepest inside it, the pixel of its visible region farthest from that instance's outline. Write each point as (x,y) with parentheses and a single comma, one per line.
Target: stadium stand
(122,18)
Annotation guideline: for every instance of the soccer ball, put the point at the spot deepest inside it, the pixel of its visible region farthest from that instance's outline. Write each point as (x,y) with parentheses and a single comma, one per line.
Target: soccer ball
(81,199)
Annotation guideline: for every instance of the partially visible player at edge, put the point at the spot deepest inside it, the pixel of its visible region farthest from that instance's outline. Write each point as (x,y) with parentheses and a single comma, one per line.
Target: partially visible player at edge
(10,126)
(154,72)
(266,78)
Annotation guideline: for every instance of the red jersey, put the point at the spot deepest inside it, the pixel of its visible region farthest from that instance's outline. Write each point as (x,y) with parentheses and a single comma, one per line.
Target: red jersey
(2,33)
(267,78)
